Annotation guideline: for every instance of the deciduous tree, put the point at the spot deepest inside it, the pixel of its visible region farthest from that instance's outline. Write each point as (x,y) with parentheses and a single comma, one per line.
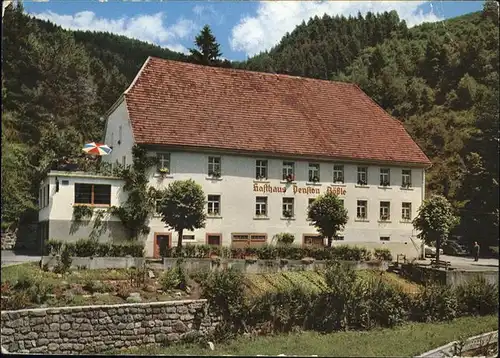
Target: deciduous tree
(435,220)
(328,215)
(183,207)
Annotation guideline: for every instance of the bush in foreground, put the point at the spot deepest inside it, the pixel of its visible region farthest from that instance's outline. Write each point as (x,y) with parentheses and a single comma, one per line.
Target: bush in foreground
(347,303)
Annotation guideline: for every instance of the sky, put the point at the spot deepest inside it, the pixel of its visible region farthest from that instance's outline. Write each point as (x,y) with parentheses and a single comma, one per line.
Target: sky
(242,28)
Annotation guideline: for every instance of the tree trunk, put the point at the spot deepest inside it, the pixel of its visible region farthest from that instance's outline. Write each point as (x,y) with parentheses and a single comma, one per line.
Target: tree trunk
(330,238)
(179,238)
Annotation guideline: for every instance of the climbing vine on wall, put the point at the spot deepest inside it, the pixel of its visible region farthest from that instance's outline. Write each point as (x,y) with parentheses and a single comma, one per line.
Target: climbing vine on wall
(140,205)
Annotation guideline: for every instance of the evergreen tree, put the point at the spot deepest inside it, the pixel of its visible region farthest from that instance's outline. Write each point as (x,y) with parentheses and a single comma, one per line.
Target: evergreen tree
(208,51)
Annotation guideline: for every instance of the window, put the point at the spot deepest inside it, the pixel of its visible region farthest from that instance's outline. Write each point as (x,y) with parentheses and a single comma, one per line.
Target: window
(310,201)
(93,194)
(385,210)
(214,205)
(406,178)
(362,176)
(248,240)
(338,174)
(188,237)
(338,238)
(261,206)
(385,238)
(313,172)
(163,162)
(260,169)
(214,168)
(385,177)
(289,171)
(158,207)
(124,161)
(314,241)
(214,239)
(406,211)
(361,210)
(288,207)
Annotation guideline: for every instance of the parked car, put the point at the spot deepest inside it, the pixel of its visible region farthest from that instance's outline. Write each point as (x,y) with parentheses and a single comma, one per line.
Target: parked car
(430,251)
(454,248)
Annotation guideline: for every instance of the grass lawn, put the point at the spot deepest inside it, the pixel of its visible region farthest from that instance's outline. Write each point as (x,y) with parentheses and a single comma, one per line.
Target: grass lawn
(406,340)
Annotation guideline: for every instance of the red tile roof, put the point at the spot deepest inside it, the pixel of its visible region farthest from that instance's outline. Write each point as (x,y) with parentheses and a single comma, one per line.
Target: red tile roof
(175,103)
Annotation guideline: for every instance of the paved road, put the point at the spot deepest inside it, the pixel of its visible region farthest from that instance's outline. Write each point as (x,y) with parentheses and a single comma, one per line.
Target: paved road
(10,258)
(468,263)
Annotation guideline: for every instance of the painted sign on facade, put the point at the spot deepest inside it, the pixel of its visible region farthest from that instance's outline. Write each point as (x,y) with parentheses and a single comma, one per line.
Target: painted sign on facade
(308,190)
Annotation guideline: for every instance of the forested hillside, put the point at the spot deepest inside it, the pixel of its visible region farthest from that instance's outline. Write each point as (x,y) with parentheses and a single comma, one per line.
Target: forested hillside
(440,79)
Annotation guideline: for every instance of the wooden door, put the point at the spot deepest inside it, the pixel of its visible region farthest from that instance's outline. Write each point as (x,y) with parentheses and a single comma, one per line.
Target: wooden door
(162,239)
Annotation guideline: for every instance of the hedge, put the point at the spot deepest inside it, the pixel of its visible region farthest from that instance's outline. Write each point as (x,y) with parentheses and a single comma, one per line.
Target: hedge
(89,247)
(270,252)
(346,303)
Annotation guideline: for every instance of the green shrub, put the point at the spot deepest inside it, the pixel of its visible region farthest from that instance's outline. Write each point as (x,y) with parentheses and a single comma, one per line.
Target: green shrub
(85,247)
(64,262)
(383,254)
(53,247)
(103,249)
(389,306)
(203,251)
(134,249)
(174,278)
(477,297)
(224,292)
(189,251)
(267,252)
(285,238)
(434,302)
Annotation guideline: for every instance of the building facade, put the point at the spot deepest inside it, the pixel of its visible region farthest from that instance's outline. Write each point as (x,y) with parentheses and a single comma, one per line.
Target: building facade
(263,147)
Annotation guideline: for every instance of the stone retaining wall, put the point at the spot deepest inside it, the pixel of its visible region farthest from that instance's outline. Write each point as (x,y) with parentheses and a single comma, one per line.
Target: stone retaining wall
(266,266)
(93,329)
(94,263)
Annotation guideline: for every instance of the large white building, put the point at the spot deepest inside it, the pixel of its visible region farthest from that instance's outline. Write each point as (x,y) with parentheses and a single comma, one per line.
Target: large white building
(262,146)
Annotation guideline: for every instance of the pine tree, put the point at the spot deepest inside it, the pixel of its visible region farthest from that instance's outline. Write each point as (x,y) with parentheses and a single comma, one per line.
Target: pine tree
(208,51)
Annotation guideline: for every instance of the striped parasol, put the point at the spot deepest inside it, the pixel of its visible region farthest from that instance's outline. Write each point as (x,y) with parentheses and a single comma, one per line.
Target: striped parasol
(96,149)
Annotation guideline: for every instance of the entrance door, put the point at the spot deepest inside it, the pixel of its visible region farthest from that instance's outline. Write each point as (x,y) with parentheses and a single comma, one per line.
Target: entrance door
(162,241)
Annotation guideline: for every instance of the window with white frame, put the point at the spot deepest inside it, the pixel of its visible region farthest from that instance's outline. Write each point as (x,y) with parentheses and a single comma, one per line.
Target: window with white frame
(163,162)
(406,178)
(406,211)
(188,238)
(261,206)
(260,169)
(385,210)
(289,171)
(338,173)
(214,167)
(338,238)
(362,209)
(287,208)
(362,176)
(314,172)
(213,203)
(385,238)
(385,176)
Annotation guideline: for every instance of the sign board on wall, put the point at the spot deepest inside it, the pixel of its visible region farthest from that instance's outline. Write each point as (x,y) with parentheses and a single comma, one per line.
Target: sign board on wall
(308,190)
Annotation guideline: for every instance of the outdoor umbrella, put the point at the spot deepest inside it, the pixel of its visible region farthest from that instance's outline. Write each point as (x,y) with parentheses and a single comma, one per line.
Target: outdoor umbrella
(96,149)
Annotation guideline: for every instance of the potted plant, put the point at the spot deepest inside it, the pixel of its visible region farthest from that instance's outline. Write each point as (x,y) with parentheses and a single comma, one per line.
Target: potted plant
(287,214)
(163,171)
(339,179)
(406,185)
(361,182)
(214,174)
(260,177)
(384,217)
(315,179)
(384,183)
(289,178)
